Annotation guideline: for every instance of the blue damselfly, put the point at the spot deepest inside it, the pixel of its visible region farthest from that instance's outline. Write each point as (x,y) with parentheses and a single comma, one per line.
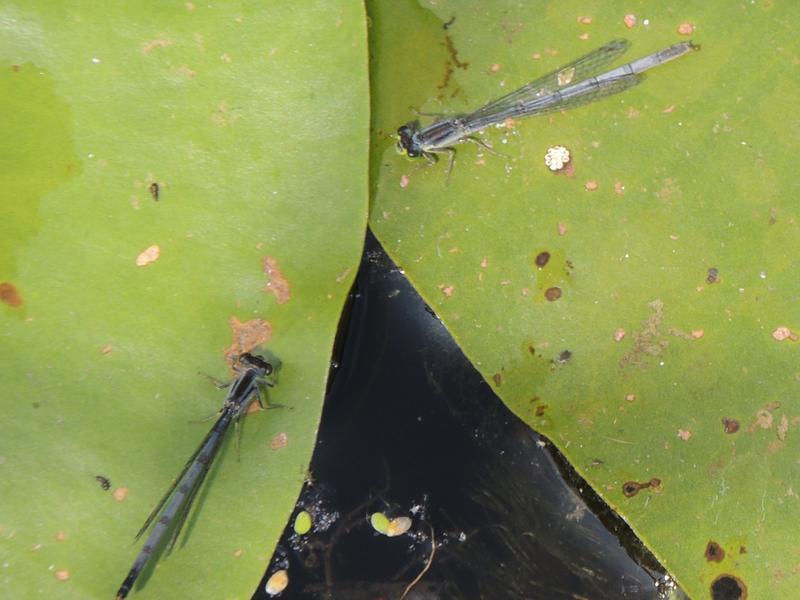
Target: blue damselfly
(569,86)
(250,371)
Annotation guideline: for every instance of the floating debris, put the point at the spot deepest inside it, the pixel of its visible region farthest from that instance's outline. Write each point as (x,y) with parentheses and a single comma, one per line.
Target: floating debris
(556,158)
(277,582)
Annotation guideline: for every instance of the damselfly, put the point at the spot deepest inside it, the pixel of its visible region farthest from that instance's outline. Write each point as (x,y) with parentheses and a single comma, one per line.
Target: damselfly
(250,372)
(569,86)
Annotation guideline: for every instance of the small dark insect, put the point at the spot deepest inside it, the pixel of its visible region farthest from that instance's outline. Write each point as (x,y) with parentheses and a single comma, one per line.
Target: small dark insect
(154,190)
(447,25)
(713,275)
(105,483)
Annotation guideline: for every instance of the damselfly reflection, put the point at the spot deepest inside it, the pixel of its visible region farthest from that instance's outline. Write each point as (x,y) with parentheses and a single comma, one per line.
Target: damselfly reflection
(569,86)
(250,372)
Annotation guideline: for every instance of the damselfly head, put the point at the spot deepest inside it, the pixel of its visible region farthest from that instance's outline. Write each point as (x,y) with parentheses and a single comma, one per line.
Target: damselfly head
(406,143)
(256,361)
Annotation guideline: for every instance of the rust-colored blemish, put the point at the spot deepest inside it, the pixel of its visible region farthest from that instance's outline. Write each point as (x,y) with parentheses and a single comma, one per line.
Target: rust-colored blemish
(728,587)
(629,20)
(246,336)
(277,285)
(108,349)
(552,294)
(120,494)
(784,333)
(686,28)
(730,425)
(498,379)
(684,434)
(148,255)
(591,185)
(783,428)
(647,340)
(447,290)
(10,295)
(278,441)
(62,574)
(619,335)
(562,229)
(185,71)
(714,552)
(542,259)
(148,47)
(631,488)
(763,420)
(541,409)
(60,536)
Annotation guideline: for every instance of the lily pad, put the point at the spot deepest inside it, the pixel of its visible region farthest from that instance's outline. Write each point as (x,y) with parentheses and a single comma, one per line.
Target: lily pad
(640,308)
(181,183)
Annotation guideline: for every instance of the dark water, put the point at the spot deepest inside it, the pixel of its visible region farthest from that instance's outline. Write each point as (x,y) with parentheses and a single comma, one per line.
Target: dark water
(411,429)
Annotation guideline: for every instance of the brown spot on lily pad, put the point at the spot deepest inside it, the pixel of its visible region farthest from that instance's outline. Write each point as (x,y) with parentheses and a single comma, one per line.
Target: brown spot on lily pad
(730,425)
(784,333)
(631,488)
(148,255)
(498,379)
(552,294)
(542,259)
(151,45)
(277,285)
(714,552)
(246,336)
(9,294)
(278,441)
(728,587)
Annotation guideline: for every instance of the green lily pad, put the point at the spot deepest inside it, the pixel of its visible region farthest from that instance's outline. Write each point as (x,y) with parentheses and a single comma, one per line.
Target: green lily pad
(639,309)
(180,183)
